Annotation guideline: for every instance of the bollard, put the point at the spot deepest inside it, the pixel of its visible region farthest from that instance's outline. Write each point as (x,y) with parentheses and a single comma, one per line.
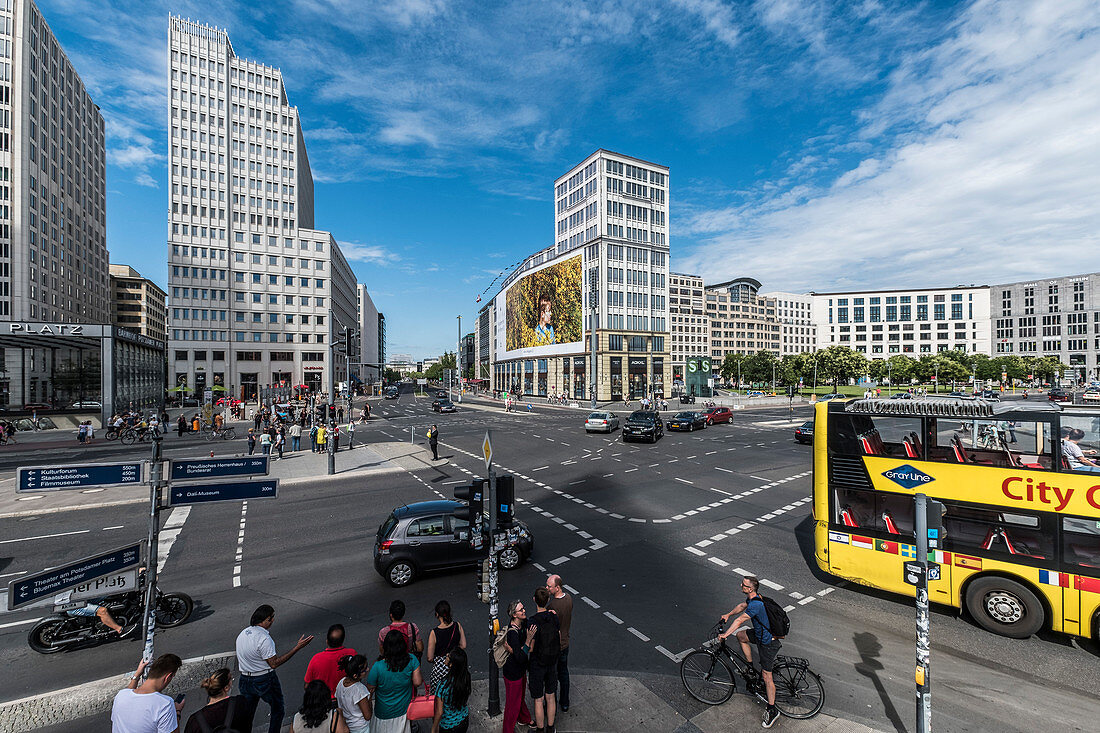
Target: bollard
(412,433)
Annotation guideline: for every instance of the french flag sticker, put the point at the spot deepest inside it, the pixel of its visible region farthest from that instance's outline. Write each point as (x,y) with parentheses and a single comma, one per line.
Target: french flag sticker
(1050,578)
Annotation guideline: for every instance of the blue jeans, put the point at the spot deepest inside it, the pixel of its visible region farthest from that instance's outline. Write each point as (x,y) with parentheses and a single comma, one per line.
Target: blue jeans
(563,677)
(264,687)
(295,442)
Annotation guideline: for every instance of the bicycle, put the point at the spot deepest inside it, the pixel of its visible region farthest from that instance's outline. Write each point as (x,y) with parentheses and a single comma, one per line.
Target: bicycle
(708,678)
(227,433)
(131,436)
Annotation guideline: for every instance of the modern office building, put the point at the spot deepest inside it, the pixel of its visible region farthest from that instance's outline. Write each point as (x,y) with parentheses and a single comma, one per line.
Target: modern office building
(137,303)
(1057,317)
(57,346)
(466,354)
(794,311)
(689,324)
(369,353)
(607,275)
(256,294)
(881,323)
(53,220)
(741,320)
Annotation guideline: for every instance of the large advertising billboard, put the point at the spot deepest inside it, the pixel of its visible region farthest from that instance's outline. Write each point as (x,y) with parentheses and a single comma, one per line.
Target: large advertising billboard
(540,314)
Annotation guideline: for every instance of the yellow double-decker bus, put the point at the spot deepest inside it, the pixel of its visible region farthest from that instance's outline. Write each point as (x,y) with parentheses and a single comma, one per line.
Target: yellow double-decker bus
(1021,544)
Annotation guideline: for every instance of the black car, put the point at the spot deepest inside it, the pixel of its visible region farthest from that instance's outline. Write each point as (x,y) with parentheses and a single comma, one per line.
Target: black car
(687,399)
(441,394)
(688,421)
(1059,395)
(417,538)
(643,424)
(392,394)
(804,433)
(444,406)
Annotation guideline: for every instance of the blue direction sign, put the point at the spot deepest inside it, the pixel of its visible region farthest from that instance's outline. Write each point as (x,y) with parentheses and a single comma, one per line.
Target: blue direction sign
(207,468)
(49,583)
(37,479)
(223,491)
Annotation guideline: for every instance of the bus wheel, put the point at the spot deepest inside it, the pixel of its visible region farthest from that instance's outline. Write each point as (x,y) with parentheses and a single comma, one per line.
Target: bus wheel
(1004,607)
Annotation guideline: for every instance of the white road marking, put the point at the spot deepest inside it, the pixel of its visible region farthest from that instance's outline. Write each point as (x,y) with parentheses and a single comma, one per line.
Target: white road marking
(170,533)
(590,602)
(540,468)
(240,548)
(46,536)
(613,617)
(684,480)
(20,623)
(637,633)
(719,468)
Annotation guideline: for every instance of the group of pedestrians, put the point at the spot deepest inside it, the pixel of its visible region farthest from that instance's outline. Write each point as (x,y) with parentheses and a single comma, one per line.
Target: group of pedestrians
(534,654)
(344,690)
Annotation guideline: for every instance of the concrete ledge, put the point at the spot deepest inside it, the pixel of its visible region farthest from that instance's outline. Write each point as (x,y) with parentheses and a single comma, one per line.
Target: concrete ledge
(95,697)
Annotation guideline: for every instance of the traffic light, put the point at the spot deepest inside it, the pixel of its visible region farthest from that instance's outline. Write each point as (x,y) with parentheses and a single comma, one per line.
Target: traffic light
(473,494)
(505,502)
(934,513)
(332,413)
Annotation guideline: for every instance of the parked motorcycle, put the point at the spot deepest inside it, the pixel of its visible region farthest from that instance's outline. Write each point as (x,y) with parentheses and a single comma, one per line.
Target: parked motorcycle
(60,631)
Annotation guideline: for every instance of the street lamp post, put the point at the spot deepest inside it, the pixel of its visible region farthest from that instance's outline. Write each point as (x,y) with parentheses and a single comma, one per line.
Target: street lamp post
(458,355)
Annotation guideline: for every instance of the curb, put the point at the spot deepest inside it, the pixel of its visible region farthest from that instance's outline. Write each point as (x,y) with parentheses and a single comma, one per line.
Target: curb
(95,697)
(72,508)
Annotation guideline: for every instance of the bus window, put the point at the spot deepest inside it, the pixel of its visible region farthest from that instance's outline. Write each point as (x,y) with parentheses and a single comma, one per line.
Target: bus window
(1081,543)
(875,512)
(1003,443)
(1080,443)
(873,435)
(1016,536)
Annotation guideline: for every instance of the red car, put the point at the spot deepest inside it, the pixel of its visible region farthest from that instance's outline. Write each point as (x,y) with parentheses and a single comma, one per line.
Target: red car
(1059,395)
(716,415)
(228,401)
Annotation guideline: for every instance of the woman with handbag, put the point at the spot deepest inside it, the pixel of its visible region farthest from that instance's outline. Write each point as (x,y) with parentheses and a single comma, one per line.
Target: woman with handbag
(352,695)
(452,715)
(317,714)
(517,642)
(442,639)
(392,681)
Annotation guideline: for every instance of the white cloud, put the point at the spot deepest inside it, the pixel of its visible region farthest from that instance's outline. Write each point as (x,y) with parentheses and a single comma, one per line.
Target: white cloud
(144,179)
(986,168)
(369,253)
(717,17)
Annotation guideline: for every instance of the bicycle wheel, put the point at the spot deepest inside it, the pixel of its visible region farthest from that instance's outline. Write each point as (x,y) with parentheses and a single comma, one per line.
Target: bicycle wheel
(228,433)
(128,437)
(707,677)
(111,434)
(798,691)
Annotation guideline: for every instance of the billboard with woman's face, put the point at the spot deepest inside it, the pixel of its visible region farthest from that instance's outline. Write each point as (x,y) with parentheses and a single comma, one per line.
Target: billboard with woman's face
(542,313)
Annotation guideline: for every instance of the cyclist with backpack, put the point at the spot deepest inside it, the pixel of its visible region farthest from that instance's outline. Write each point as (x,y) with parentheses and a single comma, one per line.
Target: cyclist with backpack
(543,672)
(767,617)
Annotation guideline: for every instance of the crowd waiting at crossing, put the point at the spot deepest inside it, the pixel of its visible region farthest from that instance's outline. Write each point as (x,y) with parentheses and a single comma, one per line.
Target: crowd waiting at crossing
(399,680)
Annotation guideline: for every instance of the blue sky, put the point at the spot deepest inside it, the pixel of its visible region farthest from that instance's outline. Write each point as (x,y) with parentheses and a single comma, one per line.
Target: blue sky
(813,144)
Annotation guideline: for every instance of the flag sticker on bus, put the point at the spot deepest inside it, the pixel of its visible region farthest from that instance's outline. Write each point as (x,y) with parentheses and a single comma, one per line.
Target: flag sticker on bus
(838,537)
(884,546)
(1051,578)
(943,558)
(909,551)
(1080,582)
(965,561)
(864,543)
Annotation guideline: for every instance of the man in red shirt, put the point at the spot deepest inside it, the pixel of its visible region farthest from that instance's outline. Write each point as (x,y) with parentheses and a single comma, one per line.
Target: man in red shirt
(323,666)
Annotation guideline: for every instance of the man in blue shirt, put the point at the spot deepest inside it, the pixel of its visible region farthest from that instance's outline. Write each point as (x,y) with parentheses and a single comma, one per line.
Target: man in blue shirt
(760,634)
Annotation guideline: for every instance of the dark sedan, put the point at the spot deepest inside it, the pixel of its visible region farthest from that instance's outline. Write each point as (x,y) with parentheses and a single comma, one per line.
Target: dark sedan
(643,424)
(688,421)
(1059,395)
(424,536)
(717,415)
(804,433)
(445,406)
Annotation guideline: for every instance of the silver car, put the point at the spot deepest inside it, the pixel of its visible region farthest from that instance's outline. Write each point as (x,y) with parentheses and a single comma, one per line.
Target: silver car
(601,422)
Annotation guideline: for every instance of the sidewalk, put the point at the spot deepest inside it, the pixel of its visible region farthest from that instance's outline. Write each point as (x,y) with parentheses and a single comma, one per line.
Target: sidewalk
(302,467)
(600,703)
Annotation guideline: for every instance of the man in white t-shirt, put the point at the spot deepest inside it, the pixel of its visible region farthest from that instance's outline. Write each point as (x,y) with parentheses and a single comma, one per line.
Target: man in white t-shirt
(1075,456)
(257,661)
(144,708)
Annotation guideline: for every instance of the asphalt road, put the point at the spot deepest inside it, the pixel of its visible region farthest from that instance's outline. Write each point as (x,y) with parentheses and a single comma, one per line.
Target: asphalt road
(650,538)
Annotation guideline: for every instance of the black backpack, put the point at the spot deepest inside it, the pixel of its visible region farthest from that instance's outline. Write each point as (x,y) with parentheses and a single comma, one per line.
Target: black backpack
(779,624)
(226,725)
(548,643)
